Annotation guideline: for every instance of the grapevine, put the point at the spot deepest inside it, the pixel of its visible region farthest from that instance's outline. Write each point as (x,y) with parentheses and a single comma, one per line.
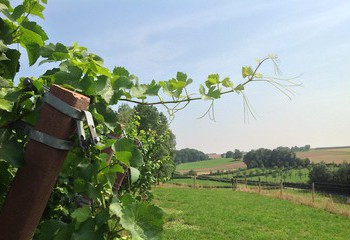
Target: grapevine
(86,174)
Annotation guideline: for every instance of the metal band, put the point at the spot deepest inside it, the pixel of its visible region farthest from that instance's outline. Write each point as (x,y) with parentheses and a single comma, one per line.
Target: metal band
(50,140)
(63,107)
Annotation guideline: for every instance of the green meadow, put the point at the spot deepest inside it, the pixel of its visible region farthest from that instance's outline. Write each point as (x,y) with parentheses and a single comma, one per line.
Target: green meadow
(224,214)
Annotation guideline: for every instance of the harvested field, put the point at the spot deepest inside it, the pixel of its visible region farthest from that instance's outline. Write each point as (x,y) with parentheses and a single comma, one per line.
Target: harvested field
(336,155)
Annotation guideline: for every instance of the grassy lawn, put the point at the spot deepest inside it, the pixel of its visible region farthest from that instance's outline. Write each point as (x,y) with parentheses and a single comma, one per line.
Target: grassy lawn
(224,214)
(206,164)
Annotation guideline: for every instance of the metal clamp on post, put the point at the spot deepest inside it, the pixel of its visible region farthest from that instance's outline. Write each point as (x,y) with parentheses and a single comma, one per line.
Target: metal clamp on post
(79,116)
(50,140)
(93,138)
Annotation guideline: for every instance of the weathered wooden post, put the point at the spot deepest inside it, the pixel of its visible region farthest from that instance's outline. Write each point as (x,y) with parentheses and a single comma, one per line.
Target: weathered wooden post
(281,188)
(246,182)
(194,181)
(313,192)
(259,185)
(233,184)
(33,183)
(236,184)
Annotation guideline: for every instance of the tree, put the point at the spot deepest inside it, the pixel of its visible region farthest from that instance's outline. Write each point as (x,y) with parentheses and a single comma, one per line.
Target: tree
(150,128)
(321,173)
(153,129)
(189,155)
(237,155)
(229,154)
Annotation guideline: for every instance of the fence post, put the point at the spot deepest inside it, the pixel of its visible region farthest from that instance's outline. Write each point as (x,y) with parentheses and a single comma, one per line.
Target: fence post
(313,192)
(281,188)
(259,185)
(33,183)
(194,181)
(245,182)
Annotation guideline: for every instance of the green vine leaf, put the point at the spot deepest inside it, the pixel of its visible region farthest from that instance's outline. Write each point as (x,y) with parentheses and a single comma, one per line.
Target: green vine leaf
(247,71)
(52,229)
(127,152)
(10,150)
(152,89)
(81,214)
(6,105)
(18,11)
(10,67)
(142,219)
(135,174)
(239,87)
(213,79)
(227,83)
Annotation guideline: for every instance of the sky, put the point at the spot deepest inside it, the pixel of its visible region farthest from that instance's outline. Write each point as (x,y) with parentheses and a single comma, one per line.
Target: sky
(156,39)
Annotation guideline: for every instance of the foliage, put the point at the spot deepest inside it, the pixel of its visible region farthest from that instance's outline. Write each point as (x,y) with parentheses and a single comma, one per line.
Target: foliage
(87,174)
(330,173)
(150,129)
(279,157)
(163,149)
(301,149)
(228,154)
(189,155)
(237,154)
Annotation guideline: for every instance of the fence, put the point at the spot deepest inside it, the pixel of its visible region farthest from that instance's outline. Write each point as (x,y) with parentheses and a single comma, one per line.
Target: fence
(341,189)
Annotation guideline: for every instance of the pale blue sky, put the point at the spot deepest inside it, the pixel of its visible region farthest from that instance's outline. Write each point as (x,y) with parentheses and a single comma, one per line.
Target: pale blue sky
(155,39)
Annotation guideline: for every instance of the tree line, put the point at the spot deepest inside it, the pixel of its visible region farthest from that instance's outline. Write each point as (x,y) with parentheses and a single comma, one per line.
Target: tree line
(236,155)
(330,173)
(282,157)
(301,149)
(189,155)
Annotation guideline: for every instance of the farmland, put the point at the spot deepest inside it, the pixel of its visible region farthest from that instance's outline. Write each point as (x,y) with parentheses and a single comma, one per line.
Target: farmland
(327,155)
(225,214)
(210,165)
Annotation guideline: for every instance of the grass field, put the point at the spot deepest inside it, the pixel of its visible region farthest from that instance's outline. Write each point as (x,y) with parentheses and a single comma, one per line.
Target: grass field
(223,214)
(336,155)
(211,165)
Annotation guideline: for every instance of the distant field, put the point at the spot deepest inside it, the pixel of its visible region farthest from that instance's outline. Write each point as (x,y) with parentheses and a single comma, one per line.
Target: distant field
(211,165)
(327,155)
(293,175)
(217,214)
(336,155)
(189,181)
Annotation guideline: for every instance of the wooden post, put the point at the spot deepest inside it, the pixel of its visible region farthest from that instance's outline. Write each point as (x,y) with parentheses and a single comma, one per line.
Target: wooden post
(33,183)
(236,184)
(233,183)
(281,188)
(245,182)
(194,181)
(313,192)
(259,185)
